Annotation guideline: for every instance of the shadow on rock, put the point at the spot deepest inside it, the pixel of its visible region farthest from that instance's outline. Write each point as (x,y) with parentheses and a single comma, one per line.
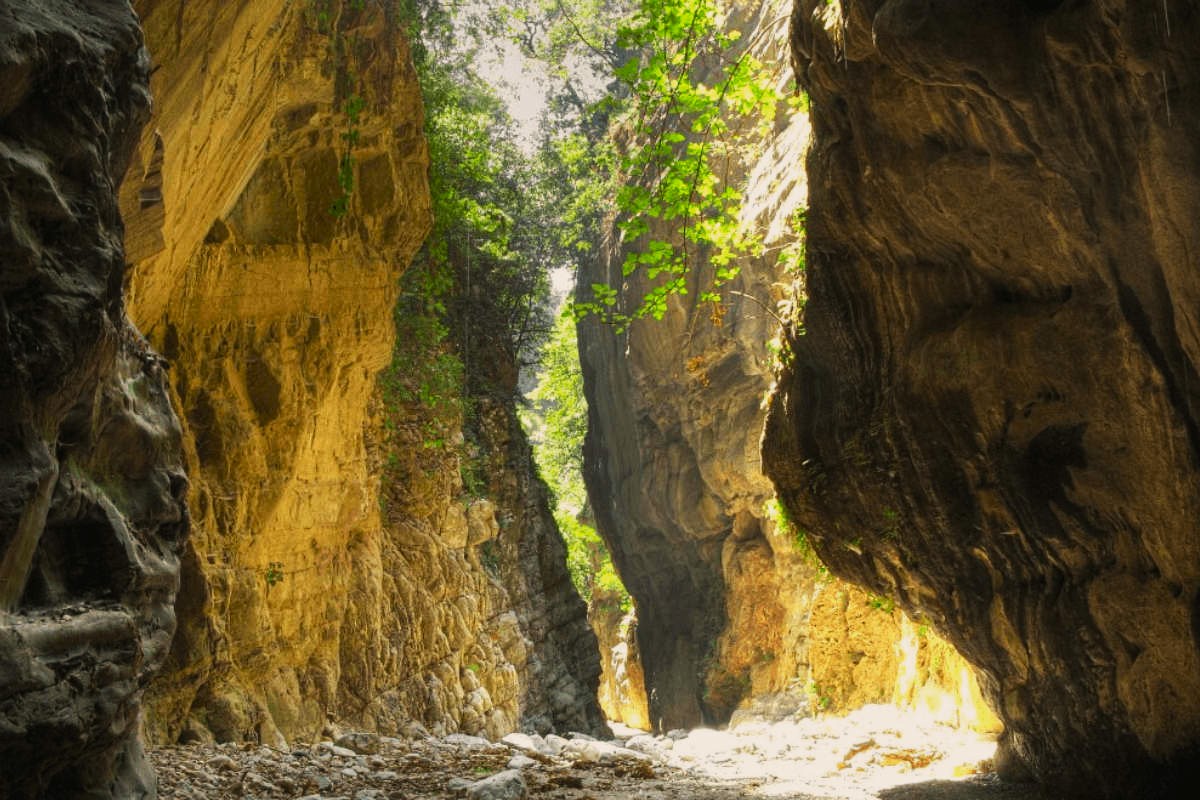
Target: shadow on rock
(988,788)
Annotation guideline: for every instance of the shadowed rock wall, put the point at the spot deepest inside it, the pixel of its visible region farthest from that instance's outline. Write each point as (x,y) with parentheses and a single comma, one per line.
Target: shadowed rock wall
(671,456)
(92,516)
(993,415)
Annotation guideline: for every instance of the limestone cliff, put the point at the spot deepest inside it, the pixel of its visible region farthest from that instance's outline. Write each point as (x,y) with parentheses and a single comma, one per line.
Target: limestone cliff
(622,693)
(490,634)
(267,267)
(992,416)
(275,316)
(730,604)
(671,455)
(92,514)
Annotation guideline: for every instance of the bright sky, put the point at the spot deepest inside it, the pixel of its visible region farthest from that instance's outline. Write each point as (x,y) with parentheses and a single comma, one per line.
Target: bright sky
(523,83)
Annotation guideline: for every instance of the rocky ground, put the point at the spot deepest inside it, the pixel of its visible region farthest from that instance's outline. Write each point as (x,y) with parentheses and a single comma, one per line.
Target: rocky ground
(874,753)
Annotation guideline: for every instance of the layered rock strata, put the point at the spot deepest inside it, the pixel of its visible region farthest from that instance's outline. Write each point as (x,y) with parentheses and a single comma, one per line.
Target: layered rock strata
(267,268)
(992,415)
(92,515)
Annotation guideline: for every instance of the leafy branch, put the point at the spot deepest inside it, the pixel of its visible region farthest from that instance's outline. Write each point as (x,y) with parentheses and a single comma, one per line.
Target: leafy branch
(681,127)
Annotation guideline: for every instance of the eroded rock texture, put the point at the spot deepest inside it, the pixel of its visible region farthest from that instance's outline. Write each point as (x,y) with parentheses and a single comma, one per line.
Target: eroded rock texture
(302,601)
(730,604)
(671,458)
(92,516)
(992,416)
(276,317)
(622,693)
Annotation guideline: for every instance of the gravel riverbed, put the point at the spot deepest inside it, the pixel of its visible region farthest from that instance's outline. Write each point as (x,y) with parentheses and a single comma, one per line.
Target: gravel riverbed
(875,753)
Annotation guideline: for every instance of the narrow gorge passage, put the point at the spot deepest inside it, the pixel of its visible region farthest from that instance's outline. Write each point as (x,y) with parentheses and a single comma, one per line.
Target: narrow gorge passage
(599,399)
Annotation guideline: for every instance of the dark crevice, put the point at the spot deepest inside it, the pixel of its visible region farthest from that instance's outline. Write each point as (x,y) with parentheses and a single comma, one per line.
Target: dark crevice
(1180,388)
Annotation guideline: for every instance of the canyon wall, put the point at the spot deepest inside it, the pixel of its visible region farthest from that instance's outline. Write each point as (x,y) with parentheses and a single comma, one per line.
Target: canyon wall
(731,604)
(92,515)
(266,267)
(622,693)
(671,457)
(992,414)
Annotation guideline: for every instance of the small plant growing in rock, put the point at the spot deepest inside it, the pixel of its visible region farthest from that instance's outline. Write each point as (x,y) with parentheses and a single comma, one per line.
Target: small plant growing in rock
(274,573)
(490,557)
(819,698)
(885,604)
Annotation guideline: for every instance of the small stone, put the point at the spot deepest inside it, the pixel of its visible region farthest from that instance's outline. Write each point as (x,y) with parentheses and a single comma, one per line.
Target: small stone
(222,764)
(369,794)
(458,785)
(360,742)
(556,743)
(521,762)
(650,746)
(582,751)
(506,785)
(467,742)
(385,775)
(521,741)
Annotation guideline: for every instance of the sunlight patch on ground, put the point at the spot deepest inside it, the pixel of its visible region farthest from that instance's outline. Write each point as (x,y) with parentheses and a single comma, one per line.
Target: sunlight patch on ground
(856,756)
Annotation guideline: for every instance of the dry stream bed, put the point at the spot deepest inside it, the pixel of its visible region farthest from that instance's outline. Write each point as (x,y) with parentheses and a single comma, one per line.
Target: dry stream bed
(875,752)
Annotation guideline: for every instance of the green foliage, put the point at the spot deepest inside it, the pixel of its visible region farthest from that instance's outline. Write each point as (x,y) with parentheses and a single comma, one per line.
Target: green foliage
(274,573)
(492,207)
(489,554)
(472,303)
(425,370)
(576,42)
(561,417)
(693,90)
(559,402)
(775,511)
(820,697)
(353,109)
(880,603)
(326,18)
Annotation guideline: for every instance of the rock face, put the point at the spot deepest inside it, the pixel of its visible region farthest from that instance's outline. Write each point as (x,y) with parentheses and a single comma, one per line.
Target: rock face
(276,317)
(731,605)
(992,417)
(92,514)
(622,694)
(311,592)
(671,460)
